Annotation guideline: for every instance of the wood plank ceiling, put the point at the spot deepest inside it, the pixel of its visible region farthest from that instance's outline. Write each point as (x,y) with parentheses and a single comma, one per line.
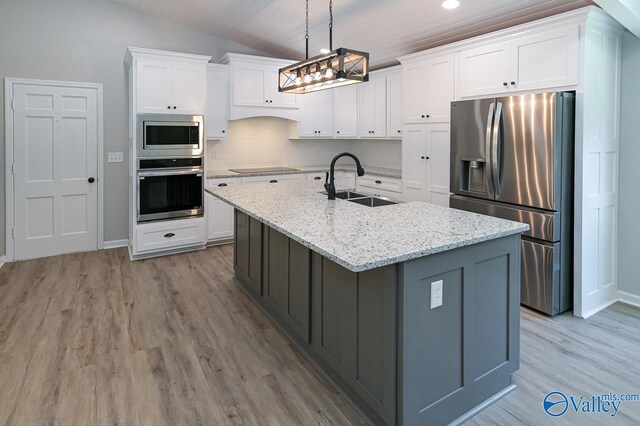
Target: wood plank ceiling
(385,28)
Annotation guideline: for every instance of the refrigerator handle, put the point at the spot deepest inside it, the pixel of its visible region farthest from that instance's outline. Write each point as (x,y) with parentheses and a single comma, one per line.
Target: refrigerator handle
(495,145)
(487,141)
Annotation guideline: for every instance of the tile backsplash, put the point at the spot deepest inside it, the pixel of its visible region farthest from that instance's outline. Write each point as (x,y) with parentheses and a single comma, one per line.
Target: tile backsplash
(264,141)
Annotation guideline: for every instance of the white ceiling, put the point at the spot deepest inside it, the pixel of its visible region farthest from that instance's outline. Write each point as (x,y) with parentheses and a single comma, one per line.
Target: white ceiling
(385,28)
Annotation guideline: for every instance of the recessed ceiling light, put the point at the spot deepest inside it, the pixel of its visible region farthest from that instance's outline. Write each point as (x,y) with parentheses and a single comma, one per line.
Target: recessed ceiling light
(450,4)
(324,51)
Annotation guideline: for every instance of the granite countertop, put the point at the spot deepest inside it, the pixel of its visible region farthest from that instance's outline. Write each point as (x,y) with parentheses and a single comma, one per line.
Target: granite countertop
(377,171)
(359,237)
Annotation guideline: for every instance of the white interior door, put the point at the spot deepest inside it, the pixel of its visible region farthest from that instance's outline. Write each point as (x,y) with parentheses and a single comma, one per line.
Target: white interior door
(55,154)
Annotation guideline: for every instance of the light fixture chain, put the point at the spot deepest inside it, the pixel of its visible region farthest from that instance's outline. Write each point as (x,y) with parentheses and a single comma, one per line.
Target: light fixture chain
(306,34)
(331,25)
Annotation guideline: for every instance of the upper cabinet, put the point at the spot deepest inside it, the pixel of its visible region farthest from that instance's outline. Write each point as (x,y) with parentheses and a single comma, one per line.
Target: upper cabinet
(254,88)
(541,60)
(168,82)
(217,107)
(316,115)
(394,105)
(345,112)
(428,89)
(373,108)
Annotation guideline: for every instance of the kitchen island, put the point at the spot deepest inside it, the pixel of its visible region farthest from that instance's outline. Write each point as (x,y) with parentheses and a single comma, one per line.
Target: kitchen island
(411,310)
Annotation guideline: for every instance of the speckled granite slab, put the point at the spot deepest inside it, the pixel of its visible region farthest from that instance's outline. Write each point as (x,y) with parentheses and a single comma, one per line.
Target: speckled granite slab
(359,237)
(377,171)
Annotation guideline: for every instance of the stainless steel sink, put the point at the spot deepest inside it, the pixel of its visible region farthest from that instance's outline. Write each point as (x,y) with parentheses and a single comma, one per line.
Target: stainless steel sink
(373,201)
(349,194)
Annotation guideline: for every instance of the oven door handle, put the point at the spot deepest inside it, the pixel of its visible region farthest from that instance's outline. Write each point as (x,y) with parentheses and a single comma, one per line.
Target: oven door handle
(171,172)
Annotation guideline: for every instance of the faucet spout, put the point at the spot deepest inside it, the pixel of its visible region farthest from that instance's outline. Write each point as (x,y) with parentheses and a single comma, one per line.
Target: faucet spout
(330,185)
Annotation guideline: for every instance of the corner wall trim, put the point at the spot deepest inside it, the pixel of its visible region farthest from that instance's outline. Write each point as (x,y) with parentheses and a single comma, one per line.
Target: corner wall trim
(629,298)
(115,244)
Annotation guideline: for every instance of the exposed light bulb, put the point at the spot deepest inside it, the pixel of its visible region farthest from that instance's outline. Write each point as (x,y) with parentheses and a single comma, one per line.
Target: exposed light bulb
(298,78)
(328,73)
(307,78)
(450,4)
(324,51)
(318,73)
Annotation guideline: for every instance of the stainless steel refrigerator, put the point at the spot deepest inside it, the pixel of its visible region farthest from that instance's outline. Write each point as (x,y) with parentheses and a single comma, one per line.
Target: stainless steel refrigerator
(512,157)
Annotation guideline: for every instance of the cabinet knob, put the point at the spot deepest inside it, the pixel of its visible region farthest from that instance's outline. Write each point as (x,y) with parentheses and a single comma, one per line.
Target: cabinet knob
(222,184)
(423,157)
(505,84)
(379,182)
(513,83)
(423,116)
(174,107)
(224,131)
(399,131)
(273,181)
(266,101)
(168,106)
(428,116)
(337,132)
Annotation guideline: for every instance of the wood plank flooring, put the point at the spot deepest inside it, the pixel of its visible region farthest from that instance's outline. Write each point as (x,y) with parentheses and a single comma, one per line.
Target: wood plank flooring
(94,339)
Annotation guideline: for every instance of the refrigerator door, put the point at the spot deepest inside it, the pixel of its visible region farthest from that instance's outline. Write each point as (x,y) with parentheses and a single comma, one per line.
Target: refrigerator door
(528,147)
(542,287)
(471,129)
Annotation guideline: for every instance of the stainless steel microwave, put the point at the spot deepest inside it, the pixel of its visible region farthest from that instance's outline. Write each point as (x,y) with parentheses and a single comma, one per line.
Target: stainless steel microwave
(168,135)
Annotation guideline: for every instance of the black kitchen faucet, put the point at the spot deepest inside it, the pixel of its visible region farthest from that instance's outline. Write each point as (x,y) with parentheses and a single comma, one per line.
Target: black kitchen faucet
(330,185)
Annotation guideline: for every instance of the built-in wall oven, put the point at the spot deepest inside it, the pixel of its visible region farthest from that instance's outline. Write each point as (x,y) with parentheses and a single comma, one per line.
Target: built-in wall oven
(169,135)
(170,188)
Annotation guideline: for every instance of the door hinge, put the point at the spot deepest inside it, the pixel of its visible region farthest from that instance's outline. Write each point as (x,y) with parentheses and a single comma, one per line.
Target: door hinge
(12,107)
(13,169)
(13,233)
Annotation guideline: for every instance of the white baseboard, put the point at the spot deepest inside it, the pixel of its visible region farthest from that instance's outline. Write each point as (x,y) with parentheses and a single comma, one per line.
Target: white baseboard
(115,244)
(599,308)
(629,298)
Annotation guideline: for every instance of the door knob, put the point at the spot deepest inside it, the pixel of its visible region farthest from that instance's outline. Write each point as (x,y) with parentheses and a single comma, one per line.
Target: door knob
(91,180)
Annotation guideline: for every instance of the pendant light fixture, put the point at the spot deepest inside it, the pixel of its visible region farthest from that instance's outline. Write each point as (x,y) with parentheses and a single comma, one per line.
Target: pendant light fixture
(336,68)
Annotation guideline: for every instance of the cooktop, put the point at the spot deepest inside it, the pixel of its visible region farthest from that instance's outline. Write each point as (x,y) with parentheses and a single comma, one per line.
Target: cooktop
(264,170)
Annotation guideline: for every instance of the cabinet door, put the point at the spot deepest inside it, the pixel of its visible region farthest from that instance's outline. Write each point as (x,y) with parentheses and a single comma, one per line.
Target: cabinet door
(438,165)
(373,105)
(248,251)
(316,115)
(153,92)
(276,98)
(216,115)
(345,112)
(414,76)
(484,70)
(219,219)
(414,163)
(248,85)
(545,60)
(394,106)
(189,82)
(440,88)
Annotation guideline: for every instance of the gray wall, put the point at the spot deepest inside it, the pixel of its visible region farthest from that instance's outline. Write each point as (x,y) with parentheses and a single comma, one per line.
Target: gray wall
(80,40)
(629,213)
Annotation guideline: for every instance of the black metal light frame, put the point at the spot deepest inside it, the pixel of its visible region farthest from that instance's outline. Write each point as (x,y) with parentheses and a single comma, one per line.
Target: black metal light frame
(340,67)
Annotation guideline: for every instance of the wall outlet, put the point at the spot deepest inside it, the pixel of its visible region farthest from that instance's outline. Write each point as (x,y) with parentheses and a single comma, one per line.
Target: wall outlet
(115,157)
(436,294)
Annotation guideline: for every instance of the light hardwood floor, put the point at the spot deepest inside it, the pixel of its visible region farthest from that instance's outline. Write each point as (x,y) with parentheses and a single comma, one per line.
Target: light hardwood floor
(93,338)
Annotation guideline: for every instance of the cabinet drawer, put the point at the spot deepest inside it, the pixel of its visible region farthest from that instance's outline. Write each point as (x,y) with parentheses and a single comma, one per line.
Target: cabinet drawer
(212,183)
(168,235)
(271,178)
(321,176)
(380,183)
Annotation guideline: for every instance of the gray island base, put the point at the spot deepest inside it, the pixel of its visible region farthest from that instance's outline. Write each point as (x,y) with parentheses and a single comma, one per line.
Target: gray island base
(373,332)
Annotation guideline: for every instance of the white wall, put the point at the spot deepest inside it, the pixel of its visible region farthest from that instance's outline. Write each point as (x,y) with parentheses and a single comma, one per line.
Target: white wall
(80,40)
(629,210)
(261,142)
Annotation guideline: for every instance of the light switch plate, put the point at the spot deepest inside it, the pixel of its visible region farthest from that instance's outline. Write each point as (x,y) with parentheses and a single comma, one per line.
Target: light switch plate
(115,157)
(436,294)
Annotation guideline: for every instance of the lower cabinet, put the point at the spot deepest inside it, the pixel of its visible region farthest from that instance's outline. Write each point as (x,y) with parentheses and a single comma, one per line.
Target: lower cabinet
(169,235)
(248,252)
(219,219)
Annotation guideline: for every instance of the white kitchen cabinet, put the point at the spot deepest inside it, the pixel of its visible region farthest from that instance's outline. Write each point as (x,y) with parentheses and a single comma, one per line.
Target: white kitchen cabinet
(545,60)
(381,186)
(255,82)
(316,115)
(273,178)
(216,115)
(394,105)
(428,89)
(373,108)
(426,163)
(218,213)
(538,61)
(168,86)
(345,112)
(484,70)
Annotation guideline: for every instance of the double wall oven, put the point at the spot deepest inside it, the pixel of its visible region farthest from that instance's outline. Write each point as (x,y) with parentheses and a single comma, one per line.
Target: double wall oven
(170,168)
